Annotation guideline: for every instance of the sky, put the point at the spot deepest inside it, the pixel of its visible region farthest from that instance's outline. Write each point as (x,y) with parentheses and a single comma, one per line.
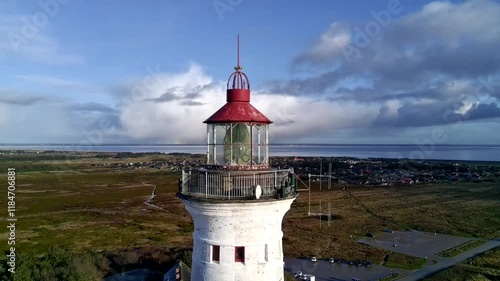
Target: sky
(330,72)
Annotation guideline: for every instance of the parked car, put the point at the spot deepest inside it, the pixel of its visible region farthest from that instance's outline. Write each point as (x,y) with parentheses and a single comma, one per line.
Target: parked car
(313,259)
(369,234)
(388,230)
(298,274)
(308,277)
(331,260)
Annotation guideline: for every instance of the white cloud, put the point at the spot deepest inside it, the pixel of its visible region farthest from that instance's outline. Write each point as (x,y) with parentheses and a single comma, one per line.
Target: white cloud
(418,67)
(392,107)
(467,105)
(332,44)
(171,121)
(459,29)
(332,41)
(477,18)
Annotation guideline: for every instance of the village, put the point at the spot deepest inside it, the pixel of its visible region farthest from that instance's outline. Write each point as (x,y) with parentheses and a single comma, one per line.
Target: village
(350,171)
(341,170)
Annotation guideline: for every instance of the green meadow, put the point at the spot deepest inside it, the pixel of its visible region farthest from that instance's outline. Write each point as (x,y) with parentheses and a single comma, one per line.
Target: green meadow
(86,216)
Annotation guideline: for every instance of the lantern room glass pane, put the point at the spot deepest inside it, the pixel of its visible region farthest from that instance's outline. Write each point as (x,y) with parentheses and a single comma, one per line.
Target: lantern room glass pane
(237,144)
(215,141)
(222,131)
(219,155)
(259,144)
(210,144)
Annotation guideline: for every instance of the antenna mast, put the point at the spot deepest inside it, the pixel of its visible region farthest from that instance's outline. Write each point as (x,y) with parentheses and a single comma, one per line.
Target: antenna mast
(238,66)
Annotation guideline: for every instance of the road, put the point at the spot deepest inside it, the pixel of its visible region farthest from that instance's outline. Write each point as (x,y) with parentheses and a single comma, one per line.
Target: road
(429,270)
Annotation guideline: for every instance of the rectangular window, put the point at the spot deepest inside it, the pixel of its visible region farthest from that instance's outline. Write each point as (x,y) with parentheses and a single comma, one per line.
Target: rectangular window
(215,253)
(239,254)
(266,253)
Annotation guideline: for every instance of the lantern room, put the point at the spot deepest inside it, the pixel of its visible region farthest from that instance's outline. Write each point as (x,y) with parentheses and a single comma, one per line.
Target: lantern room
(238,133)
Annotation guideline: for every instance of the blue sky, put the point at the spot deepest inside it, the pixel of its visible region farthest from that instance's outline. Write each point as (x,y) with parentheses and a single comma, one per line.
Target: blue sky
(94,72)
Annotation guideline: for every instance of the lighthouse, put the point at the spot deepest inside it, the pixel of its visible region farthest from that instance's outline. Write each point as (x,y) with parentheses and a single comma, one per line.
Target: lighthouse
(237,200)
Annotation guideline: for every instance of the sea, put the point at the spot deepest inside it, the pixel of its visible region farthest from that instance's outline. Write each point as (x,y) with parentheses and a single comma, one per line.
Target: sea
(427,152)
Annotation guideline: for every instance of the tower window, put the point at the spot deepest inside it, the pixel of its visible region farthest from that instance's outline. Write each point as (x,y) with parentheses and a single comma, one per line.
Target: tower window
(239,254)
(215,253)
(266,253)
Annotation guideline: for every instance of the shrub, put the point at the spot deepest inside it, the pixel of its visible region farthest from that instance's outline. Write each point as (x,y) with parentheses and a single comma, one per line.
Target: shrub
(58,264)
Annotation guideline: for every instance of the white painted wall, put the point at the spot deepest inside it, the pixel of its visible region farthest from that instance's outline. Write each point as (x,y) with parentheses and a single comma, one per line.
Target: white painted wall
(254,224)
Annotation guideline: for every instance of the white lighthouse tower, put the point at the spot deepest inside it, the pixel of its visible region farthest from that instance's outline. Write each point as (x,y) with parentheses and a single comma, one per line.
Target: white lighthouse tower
(237,200)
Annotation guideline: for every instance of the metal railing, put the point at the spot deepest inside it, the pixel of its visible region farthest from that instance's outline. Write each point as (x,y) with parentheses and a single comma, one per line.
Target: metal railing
(205,183)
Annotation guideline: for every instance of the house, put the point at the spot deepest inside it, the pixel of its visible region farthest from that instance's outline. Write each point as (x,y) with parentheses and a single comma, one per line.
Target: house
(180,272)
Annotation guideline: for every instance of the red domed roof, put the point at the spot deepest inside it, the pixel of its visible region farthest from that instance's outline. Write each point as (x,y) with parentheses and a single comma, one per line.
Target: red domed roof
(238,111)
(238,107)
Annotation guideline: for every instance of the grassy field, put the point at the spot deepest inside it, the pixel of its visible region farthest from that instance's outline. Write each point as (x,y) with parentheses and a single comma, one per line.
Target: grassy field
(65,201)
(466,209)
(78,207)
(483,267)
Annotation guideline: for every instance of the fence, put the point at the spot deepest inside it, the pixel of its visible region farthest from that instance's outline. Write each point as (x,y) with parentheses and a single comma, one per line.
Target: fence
(238,184)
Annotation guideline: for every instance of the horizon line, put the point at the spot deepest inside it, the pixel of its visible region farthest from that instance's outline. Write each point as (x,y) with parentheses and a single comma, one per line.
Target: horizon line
(203,144)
